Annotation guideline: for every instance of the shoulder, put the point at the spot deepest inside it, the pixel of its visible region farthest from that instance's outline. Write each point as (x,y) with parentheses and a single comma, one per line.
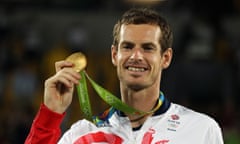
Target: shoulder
(193,117)
(83,124)
(79,128)
(200,126)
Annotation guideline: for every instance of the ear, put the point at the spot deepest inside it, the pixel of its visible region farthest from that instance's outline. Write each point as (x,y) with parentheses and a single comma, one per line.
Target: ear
(167,58)
(114,55)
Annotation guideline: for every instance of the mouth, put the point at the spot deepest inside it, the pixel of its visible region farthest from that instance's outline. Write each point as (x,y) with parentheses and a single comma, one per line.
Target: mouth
(136,69)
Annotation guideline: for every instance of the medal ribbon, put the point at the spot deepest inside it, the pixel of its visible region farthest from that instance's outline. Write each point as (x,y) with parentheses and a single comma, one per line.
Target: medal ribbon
(108,97)
(83,97)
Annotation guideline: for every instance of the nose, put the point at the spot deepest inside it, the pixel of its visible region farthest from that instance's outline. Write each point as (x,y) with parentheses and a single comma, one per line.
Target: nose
(136,54)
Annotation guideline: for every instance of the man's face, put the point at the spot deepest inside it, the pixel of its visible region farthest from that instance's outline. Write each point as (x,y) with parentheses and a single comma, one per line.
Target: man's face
(138,58)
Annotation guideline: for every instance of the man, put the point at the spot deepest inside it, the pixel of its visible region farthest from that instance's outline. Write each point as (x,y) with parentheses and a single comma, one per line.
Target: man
(141,50)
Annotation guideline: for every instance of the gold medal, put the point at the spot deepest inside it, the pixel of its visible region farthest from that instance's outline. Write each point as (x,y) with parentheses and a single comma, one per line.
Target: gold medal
(79,60)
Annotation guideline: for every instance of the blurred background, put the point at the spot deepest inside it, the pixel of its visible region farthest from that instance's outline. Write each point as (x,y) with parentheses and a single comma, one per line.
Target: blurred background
(204,75)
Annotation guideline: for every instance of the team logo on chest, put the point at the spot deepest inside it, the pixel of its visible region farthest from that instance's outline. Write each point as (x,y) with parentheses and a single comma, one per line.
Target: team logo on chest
(173,122)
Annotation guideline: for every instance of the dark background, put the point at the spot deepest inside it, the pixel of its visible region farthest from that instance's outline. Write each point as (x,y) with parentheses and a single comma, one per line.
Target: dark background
(204,75)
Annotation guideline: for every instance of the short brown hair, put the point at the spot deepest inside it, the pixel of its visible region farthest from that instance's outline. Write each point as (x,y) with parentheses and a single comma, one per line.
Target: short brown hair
(145,16)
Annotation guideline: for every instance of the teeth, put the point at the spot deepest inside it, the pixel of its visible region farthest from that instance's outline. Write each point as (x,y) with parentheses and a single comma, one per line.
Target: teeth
(136,69)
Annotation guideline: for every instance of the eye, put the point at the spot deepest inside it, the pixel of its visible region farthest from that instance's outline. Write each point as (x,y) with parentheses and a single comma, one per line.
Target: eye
(148,47)
(127,46)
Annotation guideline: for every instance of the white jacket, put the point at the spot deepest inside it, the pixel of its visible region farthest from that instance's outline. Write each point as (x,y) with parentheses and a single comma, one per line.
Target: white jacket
(173,125)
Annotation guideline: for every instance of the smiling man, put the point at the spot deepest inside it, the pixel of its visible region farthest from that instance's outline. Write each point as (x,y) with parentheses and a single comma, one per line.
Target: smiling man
(138,56)
(141,49)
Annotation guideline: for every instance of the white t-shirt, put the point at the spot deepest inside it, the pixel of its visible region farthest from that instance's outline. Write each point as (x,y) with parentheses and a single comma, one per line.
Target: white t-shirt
(177,125)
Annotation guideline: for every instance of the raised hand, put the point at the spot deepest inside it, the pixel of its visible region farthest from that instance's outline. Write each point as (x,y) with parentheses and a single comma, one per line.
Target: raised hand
(59,88)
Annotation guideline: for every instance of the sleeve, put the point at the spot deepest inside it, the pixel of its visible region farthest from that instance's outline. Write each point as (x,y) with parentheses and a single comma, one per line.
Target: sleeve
(45,127)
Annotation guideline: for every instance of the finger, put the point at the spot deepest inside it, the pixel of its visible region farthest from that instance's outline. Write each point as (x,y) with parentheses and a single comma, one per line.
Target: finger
(55,80)
(72,72)
(72,77)
(61,64)
(63,80)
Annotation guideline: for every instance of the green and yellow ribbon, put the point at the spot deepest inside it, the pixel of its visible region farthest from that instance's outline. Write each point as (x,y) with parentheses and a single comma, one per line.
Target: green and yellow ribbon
(108,97)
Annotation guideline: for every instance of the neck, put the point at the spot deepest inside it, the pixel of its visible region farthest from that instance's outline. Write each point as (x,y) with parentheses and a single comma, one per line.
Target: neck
(143,100)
